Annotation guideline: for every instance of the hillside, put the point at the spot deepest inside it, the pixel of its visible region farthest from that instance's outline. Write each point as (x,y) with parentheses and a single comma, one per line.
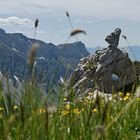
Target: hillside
(52,61)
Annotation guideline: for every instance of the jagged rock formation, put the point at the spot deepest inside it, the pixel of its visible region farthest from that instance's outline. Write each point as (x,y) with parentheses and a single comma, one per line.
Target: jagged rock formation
(107,70)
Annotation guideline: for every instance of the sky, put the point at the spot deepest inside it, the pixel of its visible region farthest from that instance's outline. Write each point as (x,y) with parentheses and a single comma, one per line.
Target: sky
(97,17)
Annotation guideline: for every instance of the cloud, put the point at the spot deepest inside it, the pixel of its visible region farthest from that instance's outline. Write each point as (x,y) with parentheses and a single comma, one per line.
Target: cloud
(97,9)
(100,9)
(83,21)
(97,17)
(15,21)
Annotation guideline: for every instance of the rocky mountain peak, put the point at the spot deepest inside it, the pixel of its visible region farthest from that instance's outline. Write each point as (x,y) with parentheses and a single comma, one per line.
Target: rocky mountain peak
(75,50)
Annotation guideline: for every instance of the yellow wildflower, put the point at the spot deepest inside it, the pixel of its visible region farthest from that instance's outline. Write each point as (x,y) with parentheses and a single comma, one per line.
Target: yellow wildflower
(114,95)
(65,112)
(1,108)
(64,99)
(128,94)
(41,110)
(15,107)
(76,111)
(67,106)
(125,98)
(94,110)
(121,94)
(82,109)
(86,101)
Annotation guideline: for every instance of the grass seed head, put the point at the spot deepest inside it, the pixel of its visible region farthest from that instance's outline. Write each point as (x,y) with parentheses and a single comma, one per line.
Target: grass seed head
(67,14)
(124,37)
(32,55)
(77,31)
(36,23)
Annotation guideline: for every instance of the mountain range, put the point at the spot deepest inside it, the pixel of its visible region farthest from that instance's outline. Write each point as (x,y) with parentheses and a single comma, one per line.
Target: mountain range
(52,61)
(133,51)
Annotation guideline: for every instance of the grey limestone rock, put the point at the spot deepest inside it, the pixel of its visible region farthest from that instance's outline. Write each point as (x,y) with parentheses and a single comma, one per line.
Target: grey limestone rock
(113,38)
(107,70)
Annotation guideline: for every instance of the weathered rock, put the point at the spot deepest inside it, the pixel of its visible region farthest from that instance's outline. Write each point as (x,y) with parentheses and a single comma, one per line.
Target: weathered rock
(107,70)
(113,38)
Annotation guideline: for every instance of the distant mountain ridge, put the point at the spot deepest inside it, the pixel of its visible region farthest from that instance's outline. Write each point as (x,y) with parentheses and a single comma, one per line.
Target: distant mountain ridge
(93,49)
(133,51)
(52,60)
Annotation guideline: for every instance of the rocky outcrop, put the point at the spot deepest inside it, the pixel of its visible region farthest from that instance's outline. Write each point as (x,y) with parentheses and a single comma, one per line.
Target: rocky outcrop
(107,70)
(73,50)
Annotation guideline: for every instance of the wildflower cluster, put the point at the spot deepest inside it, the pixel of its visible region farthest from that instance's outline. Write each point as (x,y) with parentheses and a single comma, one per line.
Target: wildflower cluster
(70,108)
(123,96)
(81,104)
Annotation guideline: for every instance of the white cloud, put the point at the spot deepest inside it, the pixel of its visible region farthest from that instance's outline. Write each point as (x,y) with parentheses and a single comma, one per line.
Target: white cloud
(15,21)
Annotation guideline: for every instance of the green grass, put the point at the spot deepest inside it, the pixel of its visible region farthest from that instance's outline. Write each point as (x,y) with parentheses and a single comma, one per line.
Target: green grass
(81,119)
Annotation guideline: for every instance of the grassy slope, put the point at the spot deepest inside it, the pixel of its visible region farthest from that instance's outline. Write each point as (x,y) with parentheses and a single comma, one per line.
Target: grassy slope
(85,119)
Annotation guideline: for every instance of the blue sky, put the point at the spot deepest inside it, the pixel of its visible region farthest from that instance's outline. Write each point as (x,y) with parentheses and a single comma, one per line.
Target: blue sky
(97,17)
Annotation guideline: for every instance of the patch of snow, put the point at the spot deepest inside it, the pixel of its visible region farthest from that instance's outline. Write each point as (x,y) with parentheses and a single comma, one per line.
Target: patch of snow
(14,49)
(16,78)
(61,79)
(41,58)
